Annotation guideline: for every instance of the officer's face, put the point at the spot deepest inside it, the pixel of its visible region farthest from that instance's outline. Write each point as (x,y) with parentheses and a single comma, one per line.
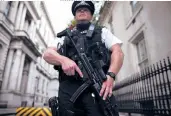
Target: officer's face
(83,14)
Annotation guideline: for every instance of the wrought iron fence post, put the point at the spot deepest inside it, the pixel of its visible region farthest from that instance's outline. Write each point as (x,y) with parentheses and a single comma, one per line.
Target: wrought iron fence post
(147,92)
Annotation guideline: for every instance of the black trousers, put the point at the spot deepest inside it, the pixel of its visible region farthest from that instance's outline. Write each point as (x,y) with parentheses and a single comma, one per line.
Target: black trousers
(85,105)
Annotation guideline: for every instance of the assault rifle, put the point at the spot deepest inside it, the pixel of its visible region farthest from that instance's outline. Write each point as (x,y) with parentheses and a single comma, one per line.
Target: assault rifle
(96,77)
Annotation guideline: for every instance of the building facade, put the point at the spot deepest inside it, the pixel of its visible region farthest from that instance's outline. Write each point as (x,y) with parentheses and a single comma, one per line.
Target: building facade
(25,32)
(144,27)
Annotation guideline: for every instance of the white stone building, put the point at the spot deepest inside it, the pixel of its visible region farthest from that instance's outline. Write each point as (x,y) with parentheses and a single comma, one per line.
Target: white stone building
(25,31)
(145,29)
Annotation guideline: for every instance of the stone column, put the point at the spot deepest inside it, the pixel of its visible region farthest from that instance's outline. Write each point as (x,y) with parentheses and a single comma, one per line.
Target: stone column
(42,25)
(46,36)
(15,70)
(20,71)
(33,32)
(3,5)
(24,80)
(23,17)
(7,69)
(30,76)
(33,77)
(30,30)
(19,14)
(13,11)
(26,24)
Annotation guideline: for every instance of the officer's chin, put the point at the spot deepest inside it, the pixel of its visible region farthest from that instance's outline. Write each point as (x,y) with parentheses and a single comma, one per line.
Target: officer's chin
(83,18)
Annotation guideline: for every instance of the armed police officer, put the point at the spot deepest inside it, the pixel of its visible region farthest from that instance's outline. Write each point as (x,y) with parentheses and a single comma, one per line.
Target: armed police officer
(70,73)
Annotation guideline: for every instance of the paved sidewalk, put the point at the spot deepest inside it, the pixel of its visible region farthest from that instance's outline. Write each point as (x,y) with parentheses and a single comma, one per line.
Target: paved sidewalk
(8,111)
(123,114)
(132,114)
(12,111)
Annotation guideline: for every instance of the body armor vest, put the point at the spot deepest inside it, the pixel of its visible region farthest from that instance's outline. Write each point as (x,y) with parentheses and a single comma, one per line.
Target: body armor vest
(84,44)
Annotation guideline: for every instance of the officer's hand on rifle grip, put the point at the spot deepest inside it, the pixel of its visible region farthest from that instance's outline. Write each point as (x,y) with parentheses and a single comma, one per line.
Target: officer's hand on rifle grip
(69,67)
(107,87)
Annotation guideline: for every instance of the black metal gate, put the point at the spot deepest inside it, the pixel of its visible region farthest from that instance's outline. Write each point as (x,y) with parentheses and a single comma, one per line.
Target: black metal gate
(147,92)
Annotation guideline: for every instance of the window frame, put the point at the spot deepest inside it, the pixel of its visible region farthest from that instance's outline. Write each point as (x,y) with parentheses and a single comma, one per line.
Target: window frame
(37,84)
(8,7)
(134,6)
(43,84)
(110,24)
(141,62)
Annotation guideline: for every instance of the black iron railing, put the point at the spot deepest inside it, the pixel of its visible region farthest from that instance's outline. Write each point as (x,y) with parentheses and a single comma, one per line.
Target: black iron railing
(147,92)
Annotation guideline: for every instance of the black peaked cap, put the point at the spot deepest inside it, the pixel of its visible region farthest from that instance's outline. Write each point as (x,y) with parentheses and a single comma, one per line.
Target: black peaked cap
(86,4)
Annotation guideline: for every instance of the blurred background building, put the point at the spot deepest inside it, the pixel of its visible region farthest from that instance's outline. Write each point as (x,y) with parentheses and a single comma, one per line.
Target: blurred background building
(25,32)
(143,85)
(144,27)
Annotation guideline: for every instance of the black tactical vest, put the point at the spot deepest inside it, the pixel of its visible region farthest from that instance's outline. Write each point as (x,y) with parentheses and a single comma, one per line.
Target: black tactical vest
(69,51)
